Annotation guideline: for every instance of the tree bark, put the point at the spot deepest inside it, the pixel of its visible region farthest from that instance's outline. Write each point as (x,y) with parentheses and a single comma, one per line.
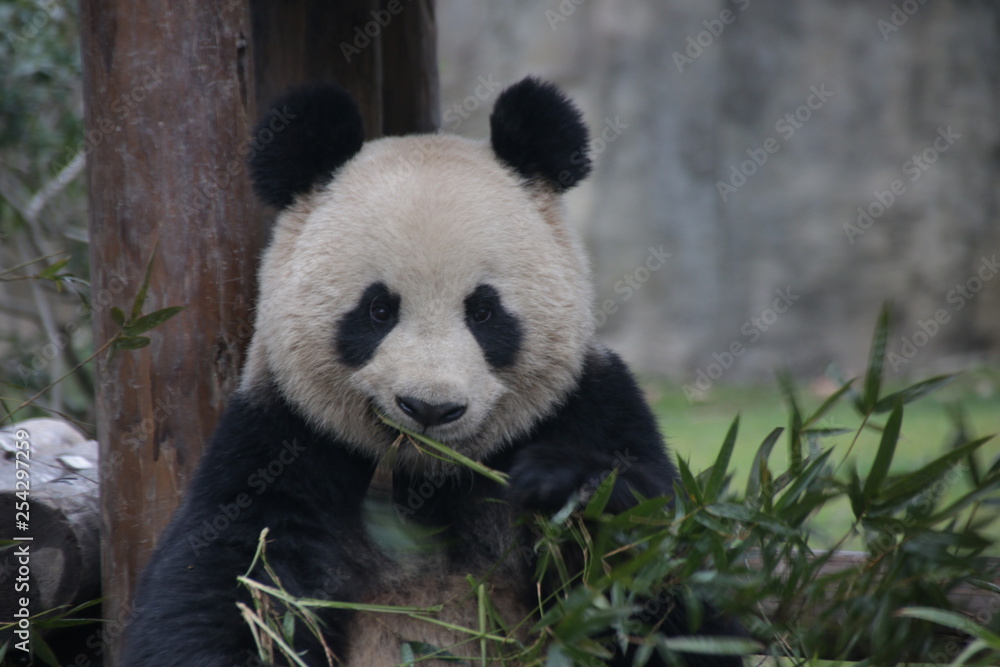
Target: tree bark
(172,91)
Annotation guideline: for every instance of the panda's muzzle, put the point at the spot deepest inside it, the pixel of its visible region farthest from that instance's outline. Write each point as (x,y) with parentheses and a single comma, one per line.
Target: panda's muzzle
(430,414)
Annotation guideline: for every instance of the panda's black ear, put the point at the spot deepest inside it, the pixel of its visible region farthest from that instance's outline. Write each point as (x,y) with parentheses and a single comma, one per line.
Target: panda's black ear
(539,132)
(309,133)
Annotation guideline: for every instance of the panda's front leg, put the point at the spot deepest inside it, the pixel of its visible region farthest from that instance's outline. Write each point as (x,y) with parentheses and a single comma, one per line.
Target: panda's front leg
(604,426)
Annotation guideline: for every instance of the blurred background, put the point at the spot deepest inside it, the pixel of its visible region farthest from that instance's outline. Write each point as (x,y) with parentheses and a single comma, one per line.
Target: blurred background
(767,174)
(742,137)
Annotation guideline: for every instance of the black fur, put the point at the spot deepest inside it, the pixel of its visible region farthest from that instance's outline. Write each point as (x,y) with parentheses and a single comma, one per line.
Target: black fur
(311,132)
(266,467)
(538,132)
(359,333)
(499,334)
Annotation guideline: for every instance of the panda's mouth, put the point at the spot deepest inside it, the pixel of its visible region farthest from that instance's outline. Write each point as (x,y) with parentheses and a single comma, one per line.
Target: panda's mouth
(447,430)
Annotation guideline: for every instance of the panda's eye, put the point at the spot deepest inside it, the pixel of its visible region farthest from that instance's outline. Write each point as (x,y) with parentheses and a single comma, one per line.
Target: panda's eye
(482,314)
(380,312)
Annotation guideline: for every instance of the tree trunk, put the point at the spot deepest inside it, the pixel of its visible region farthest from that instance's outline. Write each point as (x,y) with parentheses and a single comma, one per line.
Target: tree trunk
(172,91)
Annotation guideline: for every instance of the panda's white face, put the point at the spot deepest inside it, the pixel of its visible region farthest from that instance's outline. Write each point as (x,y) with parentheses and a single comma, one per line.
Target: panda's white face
(428,283)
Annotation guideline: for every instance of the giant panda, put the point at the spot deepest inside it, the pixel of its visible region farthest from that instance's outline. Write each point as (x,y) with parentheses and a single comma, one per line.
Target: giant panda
(431,280)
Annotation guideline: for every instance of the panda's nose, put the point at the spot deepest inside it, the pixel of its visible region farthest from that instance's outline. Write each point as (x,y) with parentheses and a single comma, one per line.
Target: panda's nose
(430,414)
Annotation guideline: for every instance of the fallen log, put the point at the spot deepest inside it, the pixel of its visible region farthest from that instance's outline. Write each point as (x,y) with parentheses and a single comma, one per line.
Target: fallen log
(49,517)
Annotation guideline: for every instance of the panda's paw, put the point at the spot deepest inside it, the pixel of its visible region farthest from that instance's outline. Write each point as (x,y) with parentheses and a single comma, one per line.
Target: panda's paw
(544,477)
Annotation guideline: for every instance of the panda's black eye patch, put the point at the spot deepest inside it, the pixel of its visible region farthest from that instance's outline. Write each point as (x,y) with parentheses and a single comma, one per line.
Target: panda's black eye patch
(496,329)
(361,329)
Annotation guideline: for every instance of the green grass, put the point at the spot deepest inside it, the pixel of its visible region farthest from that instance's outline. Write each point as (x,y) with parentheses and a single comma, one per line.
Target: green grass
(696,431)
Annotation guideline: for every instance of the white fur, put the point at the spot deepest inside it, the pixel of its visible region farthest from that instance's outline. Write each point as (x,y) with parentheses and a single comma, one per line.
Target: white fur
(432,217)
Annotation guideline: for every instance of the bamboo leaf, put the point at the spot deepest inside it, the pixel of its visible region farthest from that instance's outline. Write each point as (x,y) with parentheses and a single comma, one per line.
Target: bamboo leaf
(51,272)
(914,392)
(954,620)
(41,649)
(288,626)
(130,343)
(919,480)
(801,482)
(794,421)
(884,455)
(118,317)
(689,481)
(711,645)
(825,406)
(876,361)
(485,471)
(140,297)
(719,469)
(599,501)
(759,480)
(152,320)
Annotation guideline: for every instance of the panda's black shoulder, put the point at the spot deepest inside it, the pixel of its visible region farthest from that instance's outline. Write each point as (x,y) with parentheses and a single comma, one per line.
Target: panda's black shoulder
(607,402)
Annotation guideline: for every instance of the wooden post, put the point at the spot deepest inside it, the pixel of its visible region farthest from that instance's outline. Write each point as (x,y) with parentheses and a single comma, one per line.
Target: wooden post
(172,91)
(410,95)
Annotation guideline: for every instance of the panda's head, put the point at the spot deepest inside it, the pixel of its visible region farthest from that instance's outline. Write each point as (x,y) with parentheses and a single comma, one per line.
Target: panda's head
(429,277)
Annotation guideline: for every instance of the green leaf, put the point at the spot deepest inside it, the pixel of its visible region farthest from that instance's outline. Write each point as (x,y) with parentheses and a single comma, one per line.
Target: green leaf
(413,650)
(914,392)
(451,455)
(130,343)
(794,422)
(876,361)
(118,317)
(690,483)
(826,432)
(51,272)
(711,645)
(801,482)
(917,481)
(41,649)
(154,319)
(760,475)
(830,401)
(595,507)
(140,297)
(557,658)
(288,626)
(886,451)
(954,620)
(718,477)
